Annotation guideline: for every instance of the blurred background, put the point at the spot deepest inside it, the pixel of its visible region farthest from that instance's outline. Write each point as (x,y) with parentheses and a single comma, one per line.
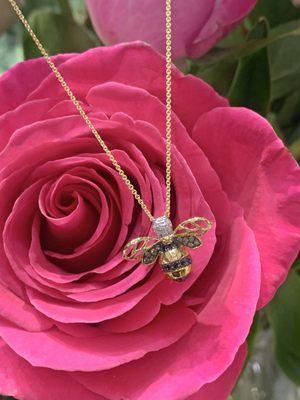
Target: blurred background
(253,59)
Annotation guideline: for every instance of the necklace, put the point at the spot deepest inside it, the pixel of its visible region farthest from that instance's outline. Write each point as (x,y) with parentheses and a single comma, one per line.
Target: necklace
(170,246)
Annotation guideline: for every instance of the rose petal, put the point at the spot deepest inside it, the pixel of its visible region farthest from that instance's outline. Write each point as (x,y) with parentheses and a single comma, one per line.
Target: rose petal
(15,310)
(197,25)
(67,312)
(140,315)
(20,379)
(147,22)
(264,181)
(19,81)
(56,350)
(223,18)
(141,67)
(221,388)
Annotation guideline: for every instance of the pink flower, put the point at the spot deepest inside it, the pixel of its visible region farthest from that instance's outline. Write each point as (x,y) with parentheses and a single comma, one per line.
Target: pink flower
(79,322)
(197,24)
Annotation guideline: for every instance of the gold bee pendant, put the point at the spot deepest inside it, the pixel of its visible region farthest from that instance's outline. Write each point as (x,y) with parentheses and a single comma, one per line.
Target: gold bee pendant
(170,246)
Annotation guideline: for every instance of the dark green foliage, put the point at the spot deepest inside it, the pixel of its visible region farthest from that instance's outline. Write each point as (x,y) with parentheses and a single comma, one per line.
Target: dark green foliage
(284,316)
(59,33)
(251,85)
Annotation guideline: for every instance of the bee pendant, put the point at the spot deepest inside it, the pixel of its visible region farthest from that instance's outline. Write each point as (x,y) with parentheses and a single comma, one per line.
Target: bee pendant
(170,246)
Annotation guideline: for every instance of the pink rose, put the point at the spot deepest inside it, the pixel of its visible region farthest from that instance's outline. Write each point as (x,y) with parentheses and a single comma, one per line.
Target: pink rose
(79,322)
(197,24)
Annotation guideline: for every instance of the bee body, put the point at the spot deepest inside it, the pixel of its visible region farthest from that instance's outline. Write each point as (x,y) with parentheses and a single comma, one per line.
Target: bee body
(171,249)
(175,261)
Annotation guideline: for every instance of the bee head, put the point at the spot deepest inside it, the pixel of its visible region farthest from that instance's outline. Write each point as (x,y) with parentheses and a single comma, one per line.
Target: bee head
(162,226)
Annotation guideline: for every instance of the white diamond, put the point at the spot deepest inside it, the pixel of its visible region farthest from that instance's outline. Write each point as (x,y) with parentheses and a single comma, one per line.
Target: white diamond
(162,226)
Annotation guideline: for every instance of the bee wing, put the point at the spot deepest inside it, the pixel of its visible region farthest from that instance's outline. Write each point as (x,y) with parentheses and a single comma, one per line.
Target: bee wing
(196,226)
(151,253)
(188,240)
(137,248)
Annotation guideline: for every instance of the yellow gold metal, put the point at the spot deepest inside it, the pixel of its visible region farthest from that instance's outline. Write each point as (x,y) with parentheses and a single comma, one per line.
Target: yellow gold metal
(91,126)
(197,225)
(172,255)
(180,274)
(168,105)
(135,247)
(171,250)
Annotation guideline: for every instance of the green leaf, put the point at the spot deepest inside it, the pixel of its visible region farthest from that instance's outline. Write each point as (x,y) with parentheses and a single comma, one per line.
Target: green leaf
(252,334)
(236,37)
(219,75)
(6,398)
(276,11)
(252,46)
(273,119)
(218,66)
(285,73)
(251,86)
(58,33)
(289,114)
(285,60)
(31,5)
(295,146)
(284,317)
(65,7)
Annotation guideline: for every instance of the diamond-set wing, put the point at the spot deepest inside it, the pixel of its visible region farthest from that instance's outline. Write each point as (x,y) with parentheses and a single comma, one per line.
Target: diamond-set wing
(151,254)
(187,240)
(137,249)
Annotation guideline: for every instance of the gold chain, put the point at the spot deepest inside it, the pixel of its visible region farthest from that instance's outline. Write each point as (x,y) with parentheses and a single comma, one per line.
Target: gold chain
(89,123)
(168,105)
